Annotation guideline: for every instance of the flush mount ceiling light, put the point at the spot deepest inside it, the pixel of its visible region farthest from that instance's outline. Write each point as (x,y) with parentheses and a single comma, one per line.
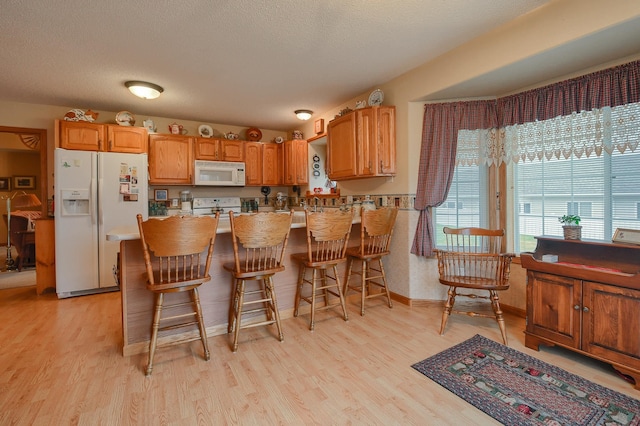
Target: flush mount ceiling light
(143,89)
(303,114)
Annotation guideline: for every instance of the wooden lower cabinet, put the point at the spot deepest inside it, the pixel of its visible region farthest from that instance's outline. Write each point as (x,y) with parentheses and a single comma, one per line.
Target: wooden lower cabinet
(584,305)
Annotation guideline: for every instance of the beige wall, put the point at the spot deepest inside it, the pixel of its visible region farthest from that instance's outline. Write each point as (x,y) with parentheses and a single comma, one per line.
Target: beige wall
(552,26)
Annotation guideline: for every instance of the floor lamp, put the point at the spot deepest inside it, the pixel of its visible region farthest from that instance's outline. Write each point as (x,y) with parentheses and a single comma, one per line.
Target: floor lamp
(20,200)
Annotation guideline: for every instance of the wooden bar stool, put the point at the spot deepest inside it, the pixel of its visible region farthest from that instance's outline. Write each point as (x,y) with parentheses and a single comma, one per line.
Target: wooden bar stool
(375,236)
(259,243)
(327,238)
(177,255)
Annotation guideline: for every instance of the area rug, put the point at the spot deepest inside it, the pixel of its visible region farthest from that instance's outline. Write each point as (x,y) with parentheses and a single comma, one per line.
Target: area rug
(517,389)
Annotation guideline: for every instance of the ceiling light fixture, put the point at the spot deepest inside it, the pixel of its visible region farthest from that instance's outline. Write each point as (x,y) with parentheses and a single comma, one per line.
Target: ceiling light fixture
(143,89)
(303,114)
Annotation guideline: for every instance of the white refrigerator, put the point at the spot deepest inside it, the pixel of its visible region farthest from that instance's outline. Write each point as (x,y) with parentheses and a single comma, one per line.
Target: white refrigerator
(95,192)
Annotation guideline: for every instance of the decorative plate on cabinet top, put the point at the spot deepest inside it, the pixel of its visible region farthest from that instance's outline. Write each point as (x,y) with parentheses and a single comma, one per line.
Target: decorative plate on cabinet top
(279,139)
(376,97)
(254,134)
(205,131)
(125,118)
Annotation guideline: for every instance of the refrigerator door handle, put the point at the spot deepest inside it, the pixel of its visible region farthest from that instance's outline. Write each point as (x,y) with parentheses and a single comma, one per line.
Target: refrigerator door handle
(100,189)
(92,204)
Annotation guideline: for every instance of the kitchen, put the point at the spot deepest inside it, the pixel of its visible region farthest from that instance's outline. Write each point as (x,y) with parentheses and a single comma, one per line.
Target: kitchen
(416,277)
(215,185)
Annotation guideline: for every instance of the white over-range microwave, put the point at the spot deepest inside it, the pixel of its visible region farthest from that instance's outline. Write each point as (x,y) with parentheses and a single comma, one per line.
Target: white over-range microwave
(219,173)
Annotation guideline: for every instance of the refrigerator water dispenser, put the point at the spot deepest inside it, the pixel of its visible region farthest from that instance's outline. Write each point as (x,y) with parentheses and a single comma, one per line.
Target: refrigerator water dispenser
(75,202)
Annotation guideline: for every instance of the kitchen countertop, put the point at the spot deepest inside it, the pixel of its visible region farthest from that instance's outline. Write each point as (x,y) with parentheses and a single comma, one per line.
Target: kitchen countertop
(125,233)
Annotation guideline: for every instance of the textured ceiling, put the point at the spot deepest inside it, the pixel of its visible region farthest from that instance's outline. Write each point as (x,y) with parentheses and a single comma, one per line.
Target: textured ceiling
(242,62)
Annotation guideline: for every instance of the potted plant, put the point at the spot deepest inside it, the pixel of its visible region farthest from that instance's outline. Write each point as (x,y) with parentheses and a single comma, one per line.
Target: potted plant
(571,227)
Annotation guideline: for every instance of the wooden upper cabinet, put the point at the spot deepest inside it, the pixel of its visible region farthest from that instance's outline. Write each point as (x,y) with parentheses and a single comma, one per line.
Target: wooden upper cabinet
(85,136)
(296,162)
(233,150)
(387,141)
(170,160)
(271,164)
(253,163)
(129,139)
(214,149)
(362,144)
(82,135)
(341,147)
(263,164)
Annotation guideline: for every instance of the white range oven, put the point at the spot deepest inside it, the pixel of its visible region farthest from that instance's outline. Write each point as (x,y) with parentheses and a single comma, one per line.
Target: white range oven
(209,206)
(219,173)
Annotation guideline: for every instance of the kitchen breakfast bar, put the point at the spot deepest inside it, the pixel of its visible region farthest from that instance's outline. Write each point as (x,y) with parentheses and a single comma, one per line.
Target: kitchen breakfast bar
(138,302)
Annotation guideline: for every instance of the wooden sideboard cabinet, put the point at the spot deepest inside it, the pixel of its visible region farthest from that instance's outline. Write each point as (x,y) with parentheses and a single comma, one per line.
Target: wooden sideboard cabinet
(362,143)
(588,301)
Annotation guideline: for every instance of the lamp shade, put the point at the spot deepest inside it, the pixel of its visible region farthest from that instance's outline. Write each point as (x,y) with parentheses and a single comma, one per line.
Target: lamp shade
(25,201)
(303,114)
(143,89)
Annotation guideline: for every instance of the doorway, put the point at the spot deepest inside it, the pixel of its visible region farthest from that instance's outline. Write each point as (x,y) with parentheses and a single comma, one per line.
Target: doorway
(23,165)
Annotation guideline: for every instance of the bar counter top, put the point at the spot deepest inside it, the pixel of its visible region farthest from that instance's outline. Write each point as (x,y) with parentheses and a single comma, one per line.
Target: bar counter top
(125,233)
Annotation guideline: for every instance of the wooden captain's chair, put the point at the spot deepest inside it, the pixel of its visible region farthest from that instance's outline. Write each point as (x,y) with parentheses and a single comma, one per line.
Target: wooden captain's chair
(472,260)
(375,237)
(177,255)
(259,244)
(327,238)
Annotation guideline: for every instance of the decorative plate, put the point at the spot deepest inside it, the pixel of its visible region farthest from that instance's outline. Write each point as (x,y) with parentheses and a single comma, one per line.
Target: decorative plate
(205,131)
(125,118)
(254,134)
(316,166)
(376,97)
(316,158)
(316,173)
(279,139)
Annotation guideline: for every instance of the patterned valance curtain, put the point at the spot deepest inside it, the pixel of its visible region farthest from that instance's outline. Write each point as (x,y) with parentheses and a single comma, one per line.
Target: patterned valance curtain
(486,132)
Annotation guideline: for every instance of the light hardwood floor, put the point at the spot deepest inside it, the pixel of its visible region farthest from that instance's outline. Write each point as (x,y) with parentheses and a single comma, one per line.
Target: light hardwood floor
(61,364)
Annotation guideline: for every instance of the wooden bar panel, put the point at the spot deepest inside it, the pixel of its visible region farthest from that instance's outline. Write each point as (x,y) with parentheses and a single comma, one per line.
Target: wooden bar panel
(45,256)
(137,301)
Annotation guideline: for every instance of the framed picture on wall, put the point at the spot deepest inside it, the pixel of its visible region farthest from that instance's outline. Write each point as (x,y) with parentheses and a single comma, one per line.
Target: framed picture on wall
(626,236)
(5,184)
(24,182)
(161,194)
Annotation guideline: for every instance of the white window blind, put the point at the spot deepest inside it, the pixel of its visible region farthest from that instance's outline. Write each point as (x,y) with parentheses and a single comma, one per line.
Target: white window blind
(584,164)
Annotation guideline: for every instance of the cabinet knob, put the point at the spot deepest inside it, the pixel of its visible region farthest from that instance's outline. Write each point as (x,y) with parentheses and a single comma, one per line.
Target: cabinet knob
(585,309)
(576,307)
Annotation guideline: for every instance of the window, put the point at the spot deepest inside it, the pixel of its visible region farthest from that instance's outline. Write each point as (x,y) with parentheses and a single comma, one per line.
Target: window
(466,203)
(602,189)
